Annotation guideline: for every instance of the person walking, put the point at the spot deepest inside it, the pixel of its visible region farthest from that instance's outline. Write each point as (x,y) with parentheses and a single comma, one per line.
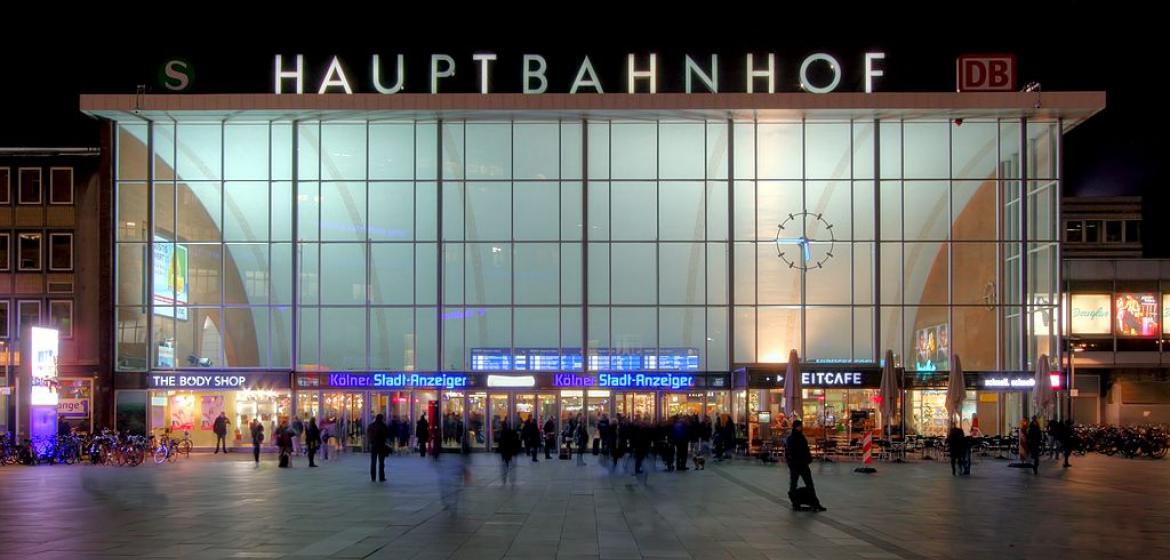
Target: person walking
(298,429)
(799,459)
(550,437)
(422,431)
(641,432)
(312,439)
(257,429)
(509,444)
(377,434)
(531,435)
(582,439)
(220,428)
(1035,439)
(957,447)
(681,436)
(284,439)
(1064,436)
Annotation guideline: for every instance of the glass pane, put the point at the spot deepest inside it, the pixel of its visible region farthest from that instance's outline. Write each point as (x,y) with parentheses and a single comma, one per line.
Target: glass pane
(280,349)
(927,207)
(599,278)
(634,150)
(133,162)
(131,339)
(426,153)
(927,150)
(680,205)
(200,211)
(453,205)
(634,211)
(682,327)
(778,201)
(132,212)
(537,279)
(537,150)
(779,279)
(974,152)
(745,335)
(454,355)
(309,338)
(570,273)
(973,211)
(489,211)
(392,273)
(716,357)
(245,151)
(282,153)
(282,211)
(926,273)
(829,155)
(780,152)
(599,150)
(392,151)
(535,206)
(717,273)
(779,333)
(634,328)
(426,341)
(571,219)
(828,333)
(426,284)
(343,211)
(571,137)
(131,278)
(247,268)
(309,262)
(281,275)
(426,211)
(199,340)
(343,273)
(489,151)
(453,280)
(681,156)
(634,273)
(392,339)
(247,337)
(392,211)
(717,146)
(681,273)
(205,268)
(598,210)
(343,151)
(343,342)
(539,328)
(489,273)
(831,282)
(246,211)
(199,156)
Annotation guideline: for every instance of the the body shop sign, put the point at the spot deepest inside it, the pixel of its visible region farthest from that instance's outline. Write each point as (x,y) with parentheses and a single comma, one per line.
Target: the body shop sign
(1089,314)
(231,381)
(43,351)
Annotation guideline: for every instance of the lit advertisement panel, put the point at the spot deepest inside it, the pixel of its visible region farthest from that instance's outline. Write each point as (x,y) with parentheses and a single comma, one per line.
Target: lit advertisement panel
(43,351)
(1089,314)
(170,279)
(1136,314)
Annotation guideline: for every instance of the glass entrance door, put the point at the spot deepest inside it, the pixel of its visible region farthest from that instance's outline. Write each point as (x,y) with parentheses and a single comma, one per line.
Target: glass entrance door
(572,408)
(476,412)
(598,404)
(344,413)
(452,425)
(635,406)
(498,403)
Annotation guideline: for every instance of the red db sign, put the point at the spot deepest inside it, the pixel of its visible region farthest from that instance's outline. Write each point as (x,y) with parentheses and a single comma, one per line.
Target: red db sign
(986,72)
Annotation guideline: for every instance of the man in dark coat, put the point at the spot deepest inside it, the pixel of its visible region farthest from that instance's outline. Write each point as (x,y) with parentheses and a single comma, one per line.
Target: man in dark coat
(220,428)
(312,440)
(422,431)
(377,435)
(799,458)
(550,437)
(681,437)
(531,436)
(1035,444)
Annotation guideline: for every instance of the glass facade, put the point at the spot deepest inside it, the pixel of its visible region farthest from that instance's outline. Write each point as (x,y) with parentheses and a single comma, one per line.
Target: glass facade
(390,245)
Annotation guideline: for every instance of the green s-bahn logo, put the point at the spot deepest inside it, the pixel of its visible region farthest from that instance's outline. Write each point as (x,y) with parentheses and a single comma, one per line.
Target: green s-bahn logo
(176,74)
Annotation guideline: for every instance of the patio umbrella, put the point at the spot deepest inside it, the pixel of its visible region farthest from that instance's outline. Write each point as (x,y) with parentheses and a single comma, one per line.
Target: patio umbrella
(793,405)
(1042,393)
(956,389)
(889,390)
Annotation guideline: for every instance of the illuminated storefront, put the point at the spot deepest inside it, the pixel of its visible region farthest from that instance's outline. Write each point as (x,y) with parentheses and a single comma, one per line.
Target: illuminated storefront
(581,253)
(189,402)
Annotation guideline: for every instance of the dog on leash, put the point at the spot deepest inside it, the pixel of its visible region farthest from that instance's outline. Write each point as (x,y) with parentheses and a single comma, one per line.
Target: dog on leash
(700,462)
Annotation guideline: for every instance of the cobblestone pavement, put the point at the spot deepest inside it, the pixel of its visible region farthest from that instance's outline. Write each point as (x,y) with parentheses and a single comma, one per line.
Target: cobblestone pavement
(226,507)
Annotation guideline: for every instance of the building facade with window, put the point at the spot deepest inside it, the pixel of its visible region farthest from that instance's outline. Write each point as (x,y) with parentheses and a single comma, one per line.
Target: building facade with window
(51,275)
(477,259)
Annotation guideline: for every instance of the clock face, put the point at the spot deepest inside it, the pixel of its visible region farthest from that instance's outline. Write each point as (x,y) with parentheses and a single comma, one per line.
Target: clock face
(796,247)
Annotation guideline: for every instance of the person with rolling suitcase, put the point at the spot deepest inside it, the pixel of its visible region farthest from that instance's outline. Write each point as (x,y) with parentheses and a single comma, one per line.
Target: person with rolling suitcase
(550,437)
(799,458)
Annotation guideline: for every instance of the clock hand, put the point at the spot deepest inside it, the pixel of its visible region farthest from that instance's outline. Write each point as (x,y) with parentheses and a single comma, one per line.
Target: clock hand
(807,253)
(790,240)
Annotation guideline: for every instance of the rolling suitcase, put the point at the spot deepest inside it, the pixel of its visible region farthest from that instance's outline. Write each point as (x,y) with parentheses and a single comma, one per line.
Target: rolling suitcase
(803,498)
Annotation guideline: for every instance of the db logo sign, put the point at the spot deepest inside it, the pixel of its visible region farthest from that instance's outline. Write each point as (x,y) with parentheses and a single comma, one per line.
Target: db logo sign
(986,72)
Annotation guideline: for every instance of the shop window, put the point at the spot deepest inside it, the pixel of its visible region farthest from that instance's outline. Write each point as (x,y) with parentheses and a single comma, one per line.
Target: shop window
(1133,231)
(5,185)
(30,185)
(30,251)
(29,314)
(61,185)
(4,319)
(4,261)
(1092,231)
(61,251)
(1113,231)
(1074,231)
(61,317)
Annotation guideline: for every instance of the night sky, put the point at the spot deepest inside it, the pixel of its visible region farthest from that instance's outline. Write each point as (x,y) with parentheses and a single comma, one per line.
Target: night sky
(1066,46)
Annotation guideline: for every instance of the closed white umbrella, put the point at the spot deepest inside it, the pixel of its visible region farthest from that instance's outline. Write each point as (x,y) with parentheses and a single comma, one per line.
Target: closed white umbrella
(889,390)
(956,389)
(1042,393)
(793,404)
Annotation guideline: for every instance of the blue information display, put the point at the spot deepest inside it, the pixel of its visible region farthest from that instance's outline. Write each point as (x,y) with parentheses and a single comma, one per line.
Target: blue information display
(569,359)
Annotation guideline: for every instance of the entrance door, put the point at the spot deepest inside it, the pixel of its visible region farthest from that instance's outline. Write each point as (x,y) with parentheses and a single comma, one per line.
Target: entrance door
(525,409)
(453,422)
(498,403)
(344,412)
(476,412)
(682,404)
(572,408)
(635,406)
(598,404)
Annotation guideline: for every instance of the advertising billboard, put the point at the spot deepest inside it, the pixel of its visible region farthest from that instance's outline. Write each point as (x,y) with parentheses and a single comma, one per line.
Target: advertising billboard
(1136,314)
(170,279)
(43,351)
(1089,314)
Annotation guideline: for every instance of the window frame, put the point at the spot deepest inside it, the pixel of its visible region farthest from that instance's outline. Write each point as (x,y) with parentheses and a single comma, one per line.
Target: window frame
(40,186)
(6,324)
(6,245)
(52,319)
(6,186)
(19,304)
(49,251)
(40,251)
(53,184)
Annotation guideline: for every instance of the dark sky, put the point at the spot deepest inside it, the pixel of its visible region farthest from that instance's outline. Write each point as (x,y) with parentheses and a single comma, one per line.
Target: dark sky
(1063,46)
